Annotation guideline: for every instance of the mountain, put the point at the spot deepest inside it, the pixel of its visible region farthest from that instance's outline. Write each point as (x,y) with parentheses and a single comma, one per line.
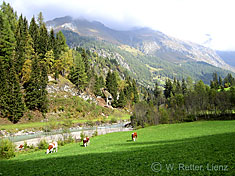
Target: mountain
(149,55)
(227,56)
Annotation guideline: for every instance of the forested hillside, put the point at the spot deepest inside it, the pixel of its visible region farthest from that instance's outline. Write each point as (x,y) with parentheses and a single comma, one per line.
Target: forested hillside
(146,69)
(157,90)
(29,54)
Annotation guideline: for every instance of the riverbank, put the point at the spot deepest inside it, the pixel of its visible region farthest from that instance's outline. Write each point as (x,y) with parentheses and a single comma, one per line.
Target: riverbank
(34,137)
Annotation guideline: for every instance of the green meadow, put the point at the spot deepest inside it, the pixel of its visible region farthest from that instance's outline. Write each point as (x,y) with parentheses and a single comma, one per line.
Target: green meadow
(195,148)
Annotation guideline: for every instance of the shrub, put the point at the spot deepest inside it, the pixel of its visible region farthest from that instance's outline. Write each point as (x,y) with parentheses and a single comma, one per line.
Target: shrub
(61,142)
(113,120)
(82,135)
(61,108)
(25,145)
(90,123)
(43,144)
(95,133)
(32,146)
(68,123)
(69,139)
(7,149)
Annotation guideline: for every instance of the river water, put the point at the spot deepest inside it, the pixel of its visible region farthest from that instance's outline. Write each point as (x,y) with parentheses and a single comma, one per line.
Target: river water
(34,139)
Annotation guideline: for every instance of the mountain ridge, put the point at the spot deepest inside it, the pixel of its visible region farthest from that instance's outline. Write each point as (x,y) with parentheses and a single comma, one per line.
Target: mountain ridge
(147,54)
(146,40)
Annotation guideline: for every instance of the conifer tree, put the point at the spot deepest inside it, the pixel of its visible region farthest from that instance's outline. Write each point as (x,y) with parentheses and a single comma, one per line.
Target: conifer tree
(112,86)
(12,105)
(168,88)
(14,101)
(34,33)
(122,99)
(42,41)
(135,92)
(60,44)
(21,39)
(11,16)
(156,91)
(52,41)
(78,75)
(36,94)
(97,86)
(184,86)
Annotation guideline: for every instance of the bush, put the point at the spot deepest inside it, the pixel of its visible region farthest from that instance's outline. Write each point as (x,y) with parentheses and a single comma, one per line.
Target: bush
(113,120)
(7,149)
(90,123)
(95,133)
(25,145)
(43,144)
(61,142)
(69,139)
(82,135)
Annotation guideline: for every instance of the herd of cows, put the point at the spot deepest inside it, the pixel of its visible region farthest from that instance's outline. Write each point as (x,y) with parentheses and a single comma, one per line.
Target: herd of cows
(53,147)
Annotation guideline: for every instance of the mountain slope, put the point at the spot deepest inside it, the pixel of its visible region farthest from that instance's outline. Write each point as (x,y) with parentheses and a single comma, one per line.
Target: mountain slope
(148,55)
(227,56)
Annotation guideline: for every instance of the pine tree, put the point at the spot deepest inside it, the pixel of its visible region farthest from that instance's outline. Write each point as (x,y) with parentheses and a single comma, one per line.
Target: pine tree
(15,102)
(136,95)
(42,41)
(36,94)
(40,20)
(157,91)
(87,63)
(11,16)
(112,86)
(32,87)
(34,33)
(78,75)
(168,88)
(21,39)
(97,86)
(122,99)
(184,86)
(60,44)
(51,41)
(12,105)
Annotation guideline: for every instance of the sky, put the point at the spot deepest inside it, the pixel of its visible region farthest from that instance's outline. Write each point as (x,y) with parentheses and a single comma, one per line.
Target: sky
(207,22)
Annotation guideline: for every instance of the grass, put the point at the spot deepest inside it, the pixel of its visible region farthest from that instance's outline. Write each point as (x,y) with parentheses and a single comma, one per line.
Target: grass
(205,144)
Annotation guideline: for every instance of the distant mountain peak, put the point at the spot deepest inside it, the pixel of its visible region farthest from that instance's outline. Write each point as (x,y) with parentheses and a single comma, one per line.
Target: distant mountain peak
(144,39)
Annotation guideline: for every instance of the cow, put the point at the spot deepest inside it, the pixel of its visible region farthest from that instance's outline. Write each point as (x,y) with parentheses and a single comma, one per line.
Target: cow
(134,136)
(21,147)
(52,147)
(86,141)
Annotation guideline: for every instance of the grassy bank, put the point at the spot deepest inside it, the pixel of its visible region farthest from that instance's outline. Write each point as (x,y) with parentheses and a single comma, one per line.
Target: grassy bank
(206,144)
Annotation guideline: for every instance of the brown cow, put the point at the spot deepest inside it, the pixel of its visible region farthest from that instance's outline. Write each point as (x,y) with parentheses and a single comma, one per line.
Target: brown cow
(134,136)
(52,147)
(86,141)
(21,147)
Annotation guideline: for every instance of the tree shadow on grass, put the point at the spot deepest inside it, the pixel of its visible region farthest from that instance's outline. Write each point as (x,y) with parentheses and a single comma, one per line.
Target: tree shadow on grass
(137,160)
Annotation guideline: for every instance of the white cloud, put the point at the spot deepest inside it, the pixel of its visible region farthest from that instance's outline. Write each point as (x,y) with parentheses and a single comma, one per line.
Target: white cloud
(185,19)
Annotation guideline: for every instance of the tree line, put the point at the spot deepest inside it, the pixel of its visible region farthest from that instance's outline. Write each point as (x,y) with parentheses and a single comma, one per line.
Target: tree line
(186,101)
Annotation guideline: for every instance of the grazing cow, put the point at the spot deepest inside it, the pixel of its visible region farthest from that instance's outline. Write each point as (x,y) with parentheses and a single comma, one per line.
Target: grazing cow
(21,147)
(86,141)
(52,147)
(134,136)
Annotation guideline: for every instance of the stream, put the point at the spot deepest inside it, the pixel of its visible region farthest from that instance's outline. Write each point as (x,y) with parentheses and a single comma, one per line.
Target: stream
(35,137)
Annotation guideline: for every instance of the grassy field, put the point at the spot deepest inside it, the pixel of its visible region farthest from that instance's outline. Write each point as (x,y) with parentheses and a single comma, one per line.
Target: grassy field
(197,148)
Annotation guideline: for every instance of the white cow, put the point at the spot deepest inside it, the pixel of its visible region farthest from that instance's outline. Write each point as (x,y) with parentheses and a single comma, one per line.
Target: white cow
(52,147)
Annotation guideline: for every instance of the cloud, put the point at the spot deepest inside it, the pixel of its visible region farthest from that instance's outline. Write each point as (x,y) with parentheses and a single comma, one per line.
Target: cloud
(185,19)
